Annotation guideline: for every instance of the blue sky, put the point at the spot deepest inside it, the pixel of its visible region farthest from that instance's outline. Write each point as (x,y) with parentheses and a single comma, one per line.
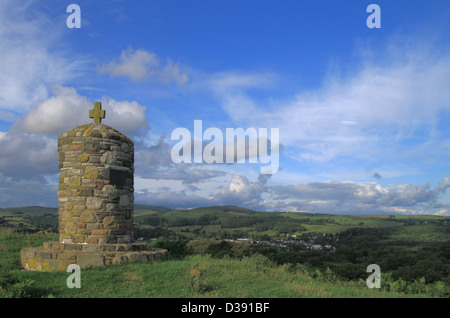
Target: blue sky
(363,114)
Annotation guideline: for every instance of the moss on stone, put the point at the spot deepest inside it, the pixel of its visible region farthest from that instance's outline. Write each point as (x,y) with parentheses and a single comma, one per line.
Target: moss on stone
(91,172)
(83,158)
(31,263)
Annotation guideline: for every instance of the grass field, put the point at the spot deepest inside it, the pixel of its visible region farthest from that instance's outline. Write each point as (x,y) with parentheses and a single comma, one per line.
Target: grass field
(192,277)
(409,248)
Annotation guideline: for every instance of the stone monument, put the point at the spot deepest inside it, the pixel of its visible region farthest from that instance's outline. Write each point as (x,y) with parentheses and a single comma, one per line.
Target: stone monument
(95,199)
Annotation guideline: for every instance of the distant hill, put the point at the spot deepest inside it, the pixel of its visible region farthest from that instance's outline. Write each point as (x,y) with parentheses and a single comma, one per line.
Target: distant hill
(27,210)
(30,218)
(152,208)
(225,222)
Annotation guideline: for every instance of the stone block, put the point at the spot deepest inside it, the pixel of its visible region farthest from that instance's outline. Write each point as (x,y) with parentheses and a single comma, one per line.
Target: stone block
(87,217)
(73,247)
(43,254)
(91,146)
(74,181)
(91,172)
(75,147)
(83,158)
(93,203)
(101,232)
(66,256)
(138,257)
(78,238)
(70,228)
(27,253)
(92,247)
(108,158)
(110,239)
(48,245)
(91,240)
(87,260)
(124,200)
(108,189)
(110,207)
(109,222)
(85,192)
(93,226)
(79,207)
(57,247)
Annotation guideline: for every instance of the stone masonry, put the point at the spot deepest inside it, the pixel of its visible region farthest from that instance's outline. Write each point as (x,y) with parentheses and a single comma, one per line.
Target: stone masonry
(95,185)
(96,199)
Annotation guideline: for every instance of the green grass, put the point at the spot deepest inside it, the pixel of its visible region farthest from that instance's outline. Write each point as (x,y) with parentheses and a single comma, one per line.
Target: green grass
(195,276)
(422,233)
(325,228)
(203,276)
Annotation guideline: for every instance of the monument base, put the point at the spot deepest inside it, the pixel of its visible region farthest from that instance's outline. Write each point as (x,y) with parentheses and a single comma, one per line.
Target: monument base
(56,256)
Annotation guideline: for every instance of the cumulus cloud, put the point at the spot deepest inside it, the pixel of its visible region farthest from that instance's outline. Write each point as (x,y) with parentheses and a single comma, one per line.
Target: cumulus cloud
(52,116)
(27,156)
(128,117)
(239,191)
(153,157)
(27,193)
(155,162)
(67,109)
(29,148)
(242,192)
(141,65)
(137,65)
(360,198)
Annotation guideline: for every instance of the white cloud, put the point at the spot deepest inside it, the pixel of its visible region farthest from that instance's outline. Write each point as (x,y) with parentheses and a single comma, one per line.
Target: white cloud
(360,198)
(27,156)
(365,114)
(239,191)
(155,162)
(59,113)
(141,65)
(28,193)
(137,65)
(230,88)
(172,72)
(67,109)
(29,148)
(242,192)
(128,117)
(30,60)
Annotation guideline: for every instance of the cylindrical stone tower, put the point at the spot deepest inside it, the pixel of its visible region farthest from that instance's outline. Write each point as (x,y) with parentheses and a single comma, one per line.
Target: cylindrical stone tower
(95,197)
(95,194)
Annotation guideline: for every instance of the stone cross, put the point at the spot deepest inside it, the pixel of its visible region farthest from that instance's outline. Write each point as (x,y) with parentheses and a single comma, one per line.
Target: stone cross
(97,113)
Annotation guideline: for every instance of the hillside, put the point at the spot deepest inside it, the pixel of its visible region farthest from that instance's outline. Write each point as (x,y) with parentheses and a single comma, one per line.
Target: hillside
(191,277)
(413,252)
